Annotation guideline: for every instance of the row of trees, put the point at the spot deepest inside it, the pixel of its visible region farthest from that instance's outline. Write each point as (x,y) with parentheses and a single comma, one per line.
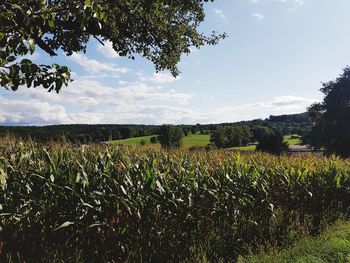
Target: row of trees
(230,136)
(235,136)
(252,130)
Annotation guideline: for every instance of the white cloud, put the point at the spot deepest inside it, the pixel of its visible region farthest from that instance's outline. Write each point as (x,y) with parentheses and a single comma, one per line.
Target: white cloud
(220,13)
(258,16)
(158,78)
(95,67)
(90,101)
(107,50)
(275,106)
(24,111)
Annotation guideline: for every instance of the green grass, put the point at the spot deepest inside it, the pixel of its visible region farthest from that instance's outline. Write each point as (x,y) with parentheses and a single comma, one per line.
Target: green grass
(188,141)
(332,246)
(198,140)
(293,141)
(133,141)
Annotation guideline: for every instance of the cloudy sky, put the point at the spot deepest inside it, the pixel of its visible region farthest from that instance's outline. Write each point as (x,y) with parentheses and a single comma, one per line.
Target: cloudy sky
(273,62)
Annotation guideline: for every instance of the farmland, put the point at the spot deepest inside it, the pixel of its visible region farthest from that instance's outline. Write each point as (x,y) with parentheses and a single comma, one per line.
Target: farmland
(197,140)
(188,141)
(69,203)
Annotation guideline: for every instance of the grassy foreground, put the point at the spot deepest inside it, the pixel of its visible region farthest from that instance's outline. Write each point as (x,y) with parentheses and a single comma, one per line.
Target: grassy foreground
(64,203)
(332,246)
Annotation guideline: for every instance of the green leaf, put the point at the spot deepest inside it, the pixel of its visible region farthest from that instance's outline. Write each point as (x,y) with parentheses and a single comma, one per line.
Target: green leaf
(65,224)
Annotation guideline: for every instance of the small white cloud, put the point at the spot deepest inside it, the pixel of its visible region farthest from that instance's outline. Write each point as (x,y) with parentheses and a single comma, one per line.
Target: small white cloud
(107,50)
(158,78)
(95,67)
(258,16)
(220,13)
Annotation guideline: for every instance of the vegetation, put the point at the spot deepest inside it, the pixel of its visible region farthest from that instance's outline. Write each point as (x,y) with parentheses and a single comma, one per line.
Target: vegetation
(331,118)
(331,246)
(134,141)
(170,136)
(160,32)
(273,143)
(230,136)
(288,124)
(196,140)
(60,202)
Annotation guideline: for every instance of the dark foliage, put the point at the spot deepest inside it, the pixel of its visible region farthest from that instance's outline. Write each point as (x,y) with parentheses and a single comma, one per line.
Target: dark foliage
(170,136)
(154,139)
(160,31)
(273,143)
(331,118)
(230,136)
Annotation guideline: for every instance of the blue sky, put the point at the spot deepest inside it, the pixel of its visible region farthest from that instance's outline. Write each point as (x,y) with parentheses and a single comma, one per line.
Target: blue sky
(273,62)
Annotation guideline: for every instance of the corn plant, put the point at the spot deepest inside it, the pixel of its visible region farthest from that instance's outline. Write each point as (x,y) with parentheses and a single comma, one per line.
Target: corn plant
(64,203)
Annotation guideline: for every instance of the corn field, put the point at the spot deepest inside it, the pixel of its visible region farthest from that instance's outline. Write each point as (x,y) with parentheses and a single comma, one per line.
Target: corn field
(63,203)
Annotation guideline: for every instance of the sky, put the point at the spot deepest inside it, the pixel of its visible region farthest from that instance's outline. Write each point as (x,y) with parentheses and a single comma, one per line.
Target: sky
(274,60)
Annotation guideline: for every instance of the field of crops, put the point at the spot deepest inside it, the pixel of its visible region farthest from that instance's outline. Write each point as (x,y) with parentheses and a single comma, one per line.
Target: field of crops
(64,203)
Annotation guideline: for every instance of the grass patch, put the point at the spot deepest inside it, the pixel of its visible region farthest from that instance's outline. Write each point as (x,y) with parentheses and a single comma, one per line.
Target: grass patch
(134,141)
(196,140)
(332,246)
(293,139)
(188,141)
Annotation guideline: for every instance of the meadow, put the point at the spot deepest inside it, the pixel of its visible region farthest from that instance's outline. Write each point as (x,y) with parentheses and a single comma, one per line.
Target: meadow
(196,140)
(105,203)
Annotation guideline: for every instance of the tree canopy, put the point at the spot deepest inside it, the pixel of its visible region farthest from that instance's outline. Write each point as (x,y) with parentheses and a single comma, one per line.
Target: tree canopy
(230,136)
(331,118)
(161,31)
(273,143)
(170,136)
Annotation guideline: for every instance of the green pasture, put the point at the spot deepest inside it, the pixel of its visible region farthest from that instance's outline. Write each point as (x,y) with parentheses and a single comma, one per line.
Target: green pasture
(188,141)
(134,141)
(200,140)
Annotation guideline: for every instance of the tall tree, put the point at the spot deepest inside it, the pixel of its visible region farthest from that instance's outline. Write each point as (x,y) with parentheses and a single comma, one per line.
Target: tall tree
(158,30)
(170,136)
(331,118)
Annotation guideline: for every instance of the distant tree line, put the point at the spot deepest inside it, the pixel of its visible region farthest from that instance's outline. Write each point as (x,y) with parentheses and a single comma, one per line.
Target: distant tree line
(80,133)
(239,133)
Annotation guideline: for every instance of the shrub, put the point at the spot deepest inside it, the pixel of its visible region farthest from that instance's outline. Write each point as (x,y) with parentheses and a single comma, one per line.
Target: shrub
(273,143)
(154,139)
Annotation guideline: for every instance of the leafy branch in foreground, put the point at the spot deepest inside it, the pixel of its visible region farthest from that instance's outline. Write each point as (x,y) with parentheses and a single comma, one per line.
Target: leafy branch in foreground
(160,31)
